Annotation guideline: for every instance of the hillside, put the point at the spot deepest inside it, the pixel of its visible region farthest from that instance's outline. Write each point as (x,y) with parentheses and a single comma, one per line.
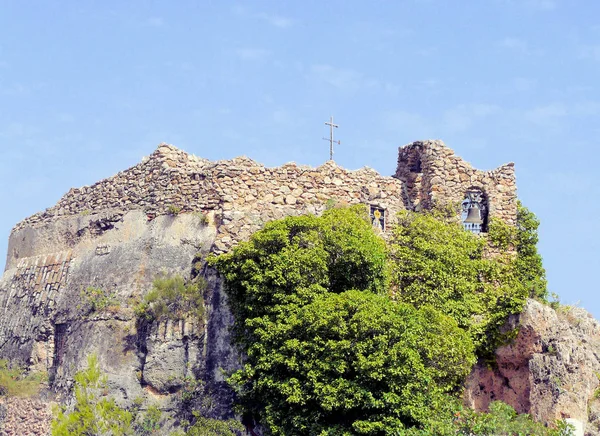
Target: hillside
(76,272)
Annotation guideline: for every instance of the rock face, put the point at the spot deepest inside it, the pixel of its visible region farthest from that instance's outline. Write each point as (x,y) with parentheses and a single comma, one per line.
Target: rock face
(116,236)
(550,371)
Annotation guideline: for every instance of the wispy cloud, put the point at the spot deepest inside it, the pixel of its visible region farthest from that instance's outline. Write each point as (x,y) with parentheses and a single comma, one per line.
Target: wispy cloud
(538,5)
(17,90)
(349,80)
(252,54)
(272,19)
(514,44)
(544,5)
(408,124)
(275,20)
(462,117)
(345,79)
(523,84)
(546,115)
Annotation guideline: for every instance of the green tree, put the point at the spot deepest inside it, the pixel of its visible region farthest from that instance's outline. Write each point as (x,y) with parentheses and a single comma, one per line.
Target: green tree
(322,356)
(352,363)
(500,420)
(93,414)
(529,266)
(522,239)
(294,260)
(436,262)
(213,427)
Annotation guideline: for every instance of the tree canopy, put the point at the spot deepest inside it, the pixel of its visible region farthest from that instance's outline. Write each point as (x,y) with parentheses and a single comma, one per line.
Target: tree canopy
(343,334)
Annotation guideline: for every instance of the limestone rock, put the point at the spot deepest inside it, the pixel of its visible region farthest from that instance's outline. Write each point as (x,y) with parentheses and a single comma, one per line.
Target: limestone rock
(551,370)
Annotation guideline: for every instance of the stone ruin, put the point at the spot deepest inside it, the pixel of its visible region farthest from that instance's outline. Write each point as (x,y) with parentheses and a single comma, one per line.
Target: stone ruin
(120,233)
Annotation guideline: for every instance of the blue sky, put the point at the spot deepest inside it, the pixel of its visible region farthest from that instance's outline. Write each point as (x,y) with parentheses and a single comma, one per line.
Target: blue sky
(88,88)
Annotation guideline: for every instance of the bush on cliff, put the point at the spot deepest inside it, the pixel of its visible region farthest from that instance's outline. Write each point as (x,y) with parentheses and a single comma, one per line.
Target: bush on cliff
(436,262)
(93,413)
(14,382)
(292,261)
(327,350)
(172,298)
(523,238)
(352,363)
(343,335)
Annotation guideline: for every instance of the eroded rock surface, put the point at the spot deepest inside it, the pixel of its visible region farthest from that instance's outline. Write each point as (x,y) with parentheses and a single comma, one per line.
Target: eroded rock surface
(550,371)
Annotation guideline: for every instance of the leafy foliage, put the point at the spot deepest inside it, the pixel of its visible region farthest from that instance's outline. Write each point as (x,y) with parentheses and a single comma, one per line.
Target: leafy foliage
(173,210)
(173,298)
(213,427)
(529,263)
(294,260)
(352,363)
(435,262)
(523,238)
(93,414)
(501,420)
(146,423)
(329,352)
(95,299)
(14,382)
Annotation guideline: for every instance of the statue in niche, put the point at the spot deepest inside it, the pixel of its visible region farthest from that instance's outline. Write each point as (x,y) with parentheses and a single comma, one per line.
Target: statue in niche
(377,216)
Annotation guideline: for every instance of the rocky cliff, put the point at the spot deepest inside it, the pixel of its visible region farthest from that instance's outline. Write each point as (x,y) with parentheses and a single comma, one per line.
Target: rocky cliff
(164,215)
(551,370)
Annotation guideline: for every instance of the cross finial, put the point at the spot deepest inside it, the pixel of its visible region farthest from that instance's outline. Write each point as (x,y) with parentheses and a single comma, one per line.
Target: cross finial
(330,139)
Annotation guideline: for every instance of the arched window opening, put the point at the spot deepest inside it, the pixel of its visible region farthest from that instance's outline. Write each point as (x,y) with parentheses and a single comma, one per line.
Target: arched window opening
(474,211)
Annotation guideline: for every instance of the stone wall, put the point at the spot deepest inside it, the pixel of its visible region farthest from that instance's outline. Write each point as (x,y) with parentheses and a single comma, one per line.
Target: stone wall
(237,195)
(120,233)
(433,174)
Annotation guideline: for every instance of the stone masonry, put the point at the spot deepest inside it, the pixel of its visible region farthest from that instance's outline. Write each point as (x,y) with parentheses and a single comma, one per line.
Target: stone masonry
(433,174)
(240,195)
(154,218)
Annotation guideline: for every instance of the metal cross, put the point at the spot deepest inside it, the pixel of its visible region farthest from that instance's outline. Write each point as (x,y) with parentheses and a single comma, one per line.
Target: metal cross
(330,139)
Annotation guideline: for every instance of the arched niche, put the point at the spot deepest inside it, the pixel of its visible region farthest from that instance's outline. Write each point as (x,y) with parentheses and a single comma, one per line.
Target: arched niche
(474,211)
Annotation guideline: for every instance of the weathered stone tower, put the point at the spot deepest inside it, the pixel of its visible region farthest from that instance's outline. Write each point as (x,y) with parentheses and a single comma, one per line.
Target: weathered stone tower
(433,174)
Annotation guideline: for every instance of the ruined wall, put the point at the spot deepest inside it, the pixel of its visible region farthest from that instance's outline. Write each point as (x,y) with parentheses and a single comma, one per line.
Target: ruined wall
(238,195)
(433,174)
(120,233)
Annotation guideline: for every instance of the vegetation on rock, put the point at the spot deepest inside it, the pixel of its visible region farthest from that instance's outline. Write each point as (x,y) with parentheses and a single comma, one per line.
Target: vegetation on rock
(523,239)
(343,336)
(95,299)
(172,298)
(93,413)
(14,382)
(435,262)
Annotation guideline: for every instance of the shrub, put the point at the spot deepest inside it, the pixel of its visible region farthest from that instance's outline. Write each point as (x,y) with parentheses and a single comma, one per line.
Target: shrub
(352,363)
(213,427)
(294,260)
(93,413)
(97,300)
(438,263)
(14,382)
(528,266)
(173,298)
(173,210)
(202,218)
